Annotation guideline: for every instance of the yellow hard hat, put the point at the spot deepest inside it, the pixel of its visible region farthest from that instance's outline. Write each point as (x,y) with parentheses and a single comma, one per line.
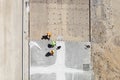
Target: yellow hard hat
(49,33)
(52,52)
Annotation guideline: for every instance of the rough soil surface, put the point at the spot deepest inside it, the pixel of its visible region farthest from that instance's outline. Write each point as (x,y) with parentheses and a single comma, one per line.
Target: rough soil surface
(106,39)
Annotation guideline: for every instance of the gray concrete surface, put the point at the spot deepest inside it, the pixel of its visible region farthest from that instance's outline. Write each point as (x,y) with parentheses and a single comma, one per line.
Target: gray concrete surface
(68,18)
(76,63)
(11,39)
(77,76)
(77,54)
(43,77)
(38,57)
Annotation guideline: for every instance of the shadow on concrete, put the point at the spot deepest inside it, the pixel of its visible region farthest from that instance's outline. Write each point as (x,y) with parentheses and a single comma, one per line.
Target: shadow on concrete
(58,47)
(50,46)
(87,46)
(48,54)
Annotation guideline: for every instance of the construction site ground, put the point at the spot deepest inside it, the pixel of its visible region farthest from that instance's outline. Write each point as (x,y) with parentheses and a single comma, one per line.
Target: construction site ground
(72,22)
(96,21)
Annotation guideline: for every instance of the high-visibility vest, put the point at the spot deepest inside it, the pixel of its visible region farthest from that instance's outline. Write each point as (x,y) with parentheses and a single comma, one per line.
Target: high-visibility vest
(53,43)
(52,52)
(49,34)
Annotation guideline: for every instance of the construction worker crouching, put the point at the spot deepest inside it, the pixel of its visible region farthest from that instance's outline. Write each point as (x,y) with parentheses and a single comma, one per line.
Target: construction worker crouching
(49,35)
(53,43)
(52,52)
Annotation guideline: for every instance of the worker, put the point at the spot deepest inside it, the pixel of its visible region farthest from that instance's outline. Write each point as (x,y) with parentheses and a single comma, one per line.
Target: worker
(52,52)
(53,43)
(49,35)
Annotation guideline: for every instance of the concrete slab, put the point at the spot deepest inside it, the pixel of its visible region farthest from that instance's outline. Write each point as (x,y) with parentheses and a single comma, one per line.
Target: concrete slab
(43,77)
(66,18)
(38,51)
(77,76)
(72,59)
(77,54)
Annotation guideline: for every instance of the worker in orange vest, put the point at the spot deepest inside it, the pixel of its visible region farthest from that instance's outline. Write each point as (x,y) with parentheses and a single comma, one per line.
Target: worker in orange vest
(49,35)
(52,52)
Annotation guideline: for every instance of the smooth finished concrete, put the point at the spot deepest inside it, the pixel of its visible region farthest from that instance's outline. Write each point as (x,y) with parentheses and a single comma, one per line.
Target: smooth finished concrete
(67,62)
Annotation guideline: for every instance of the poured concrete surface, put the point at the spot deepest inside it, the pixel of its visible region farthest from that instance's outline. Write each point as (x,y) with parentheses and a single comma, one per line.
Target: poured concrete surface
(77,76)
(106,39)
(77,54)
(11,39)
(38,57)
(57,64)
(43,77)
(66,18)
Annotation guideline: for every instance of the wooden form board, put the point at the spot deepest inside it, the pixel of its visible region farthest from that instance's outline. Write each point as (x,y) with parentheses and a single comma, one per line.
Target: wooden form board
(10,39)
(64,18)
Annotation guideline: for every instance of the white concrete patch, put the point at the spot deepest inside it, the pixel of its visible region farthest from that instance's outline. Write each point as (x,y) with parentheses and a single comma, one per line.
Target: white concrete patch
(32,43)
(59,67)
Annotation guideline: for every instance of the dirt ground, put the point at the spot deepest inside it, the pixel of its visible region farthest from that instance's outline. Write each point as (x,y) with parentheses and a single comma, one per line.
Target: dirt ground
(106,39)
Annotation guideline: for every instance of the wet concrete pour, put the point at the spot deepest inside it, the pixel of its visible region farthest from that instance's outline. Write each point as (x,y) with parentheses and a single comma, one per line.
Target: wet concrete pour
(71,62)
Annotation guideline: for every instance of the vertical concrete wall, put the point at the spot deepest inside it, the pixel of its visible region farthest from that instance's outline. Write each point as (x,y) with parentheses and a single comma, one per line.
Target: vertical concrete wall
(10,39)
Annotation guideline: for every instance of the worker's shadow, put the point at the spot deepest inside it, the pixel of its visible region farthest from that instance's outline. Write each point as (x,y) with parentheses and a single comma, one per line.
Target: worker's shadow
(45,37)
(48,54)
(50,46)
(58,47)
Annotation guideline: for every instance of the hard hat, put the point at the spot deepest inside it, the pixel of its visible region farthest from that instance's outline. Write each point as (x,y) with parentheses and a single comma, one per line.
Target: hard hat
(49,33)
(52,52)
